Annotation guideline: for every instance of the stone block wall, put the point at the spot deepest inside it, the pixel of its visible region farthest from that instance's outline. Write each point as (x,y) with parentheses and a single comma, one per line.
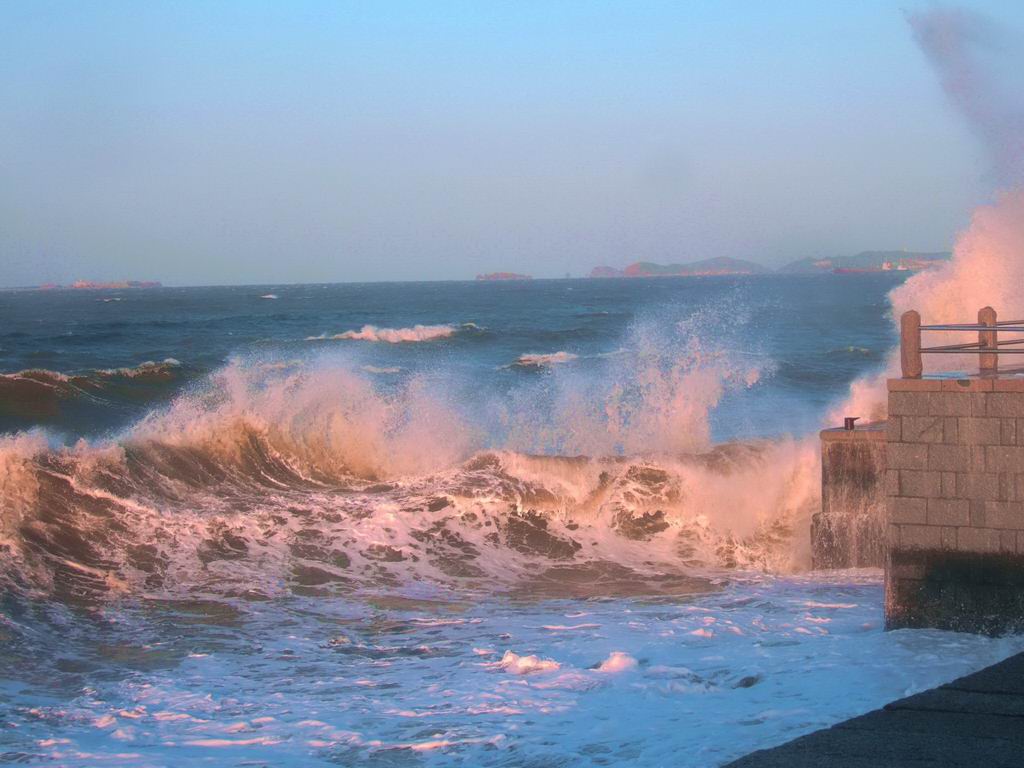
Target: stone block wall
(955,488)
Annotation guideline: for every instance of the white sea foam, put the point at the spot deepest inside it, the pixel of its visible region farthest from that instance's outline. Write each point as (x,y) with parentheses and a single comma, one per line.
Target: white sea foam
(416,333)
(618,661)
(515,664)
(543,360)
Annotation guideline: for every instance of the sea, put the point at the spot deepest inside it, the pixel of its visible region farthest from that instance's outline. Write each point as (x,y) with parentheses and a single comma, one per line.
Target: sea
(515,523)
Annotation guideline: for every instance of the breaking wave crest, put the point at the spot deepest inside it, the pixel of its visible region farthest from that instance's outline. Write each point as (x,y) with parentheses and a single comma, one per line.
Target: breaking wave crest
(395,335)
(311,479)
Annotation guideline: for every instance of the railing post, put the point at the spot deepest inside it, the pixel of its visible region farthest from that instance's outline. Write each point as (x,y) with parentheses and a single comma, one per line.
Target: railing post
(910,344)
(988,362)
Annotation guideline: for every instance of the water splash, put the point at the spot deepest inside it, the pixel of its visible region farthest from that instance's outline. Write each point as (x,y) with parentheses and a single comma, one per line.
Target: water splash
(311,475)
(981,71)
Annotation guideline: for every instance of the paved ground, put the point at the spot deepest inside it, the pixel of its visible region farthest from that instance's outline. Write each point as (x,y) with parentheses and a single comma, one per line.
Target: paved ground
(975,721)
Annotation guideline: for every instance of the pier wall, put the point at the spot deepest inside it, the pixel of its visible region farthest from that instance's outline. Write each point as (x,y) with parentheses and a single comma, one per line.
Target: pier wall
(849,531)
(955,496)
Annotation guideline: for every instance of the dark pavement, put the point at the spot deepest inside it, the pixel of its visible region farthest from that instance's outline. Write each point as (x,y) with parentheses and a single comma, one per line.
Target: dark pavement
(977,720)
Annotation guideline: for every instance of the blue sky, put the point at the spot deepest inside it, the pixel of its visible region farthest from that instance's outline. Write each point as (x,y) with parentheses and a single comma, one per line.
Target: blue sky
(200,143)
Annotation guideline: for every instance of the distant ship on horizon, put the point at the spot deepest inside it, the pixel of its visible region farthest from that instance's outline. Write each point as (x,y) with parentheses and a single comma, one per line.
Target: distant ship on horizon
(504,276)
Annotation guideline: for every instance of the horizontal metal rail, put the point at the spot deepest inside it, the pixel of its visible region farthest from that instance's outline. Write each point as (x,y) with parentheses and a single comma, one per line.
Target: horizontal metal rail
(988,348)
(1002,325)
(985,351)
(1011,329)
(967,348)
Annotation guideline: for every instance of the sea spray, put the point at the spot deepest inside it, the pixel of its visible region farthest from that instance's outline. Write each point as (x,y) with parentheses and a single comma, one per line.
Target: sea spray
(656,395)
(987,269)
(980,66)
(325,421)
(981,74)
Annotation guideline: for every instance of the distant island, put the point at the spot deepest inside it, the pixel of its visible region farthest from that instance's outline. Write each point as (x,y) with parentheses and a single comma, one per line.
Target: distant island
(503,276)
(870,261)
(866,261)
(722,265)
(90,285)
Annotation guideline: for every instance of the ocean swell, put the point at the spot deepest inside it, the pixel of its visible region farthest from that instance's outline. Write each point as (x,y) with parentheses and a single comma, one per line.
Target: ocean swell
(42,394)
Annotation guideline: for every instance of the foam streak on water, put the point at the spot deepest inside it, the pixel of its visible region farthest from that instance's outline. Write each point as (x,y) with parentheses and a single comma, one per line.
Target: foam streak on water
(691,682)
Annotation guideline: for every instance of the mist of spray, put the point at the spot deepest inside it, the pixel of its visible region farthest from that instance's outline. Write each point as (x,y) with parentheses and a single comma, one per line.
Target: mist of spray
(979,65)
(981,72)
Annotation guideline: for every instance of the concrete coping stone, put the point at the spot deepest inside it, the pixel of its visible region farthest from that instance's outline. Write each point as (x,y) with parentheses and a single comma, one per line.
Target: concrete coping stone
(966,382)
(872,431)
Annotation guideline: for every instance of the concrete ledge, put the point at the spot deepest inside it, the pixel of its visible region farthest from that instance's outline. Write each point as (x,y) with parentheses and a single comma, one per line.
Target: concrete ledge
(872,431)
(914,385)
(946,384)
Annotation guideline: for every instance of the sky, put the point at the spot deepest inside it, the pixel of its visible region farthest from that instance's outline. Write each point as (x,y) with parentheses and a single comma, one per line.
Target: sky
(216,143)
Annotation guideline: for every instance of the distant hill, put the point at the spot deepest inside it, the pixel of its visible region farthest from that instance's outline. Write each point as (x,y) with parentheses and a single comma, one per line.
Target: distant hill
(866,261)
(869,261)
(722,265)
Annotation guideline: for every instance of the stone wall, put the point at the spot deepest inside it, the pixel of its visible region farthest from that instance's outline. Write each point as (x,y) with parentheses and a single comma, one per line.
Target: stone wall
(955,489)
(849,531)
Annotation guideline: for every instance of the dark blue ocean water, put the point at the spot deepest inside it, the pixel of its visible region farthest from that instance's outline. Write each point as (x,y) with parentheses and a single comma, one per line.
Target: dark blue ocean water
(811,336)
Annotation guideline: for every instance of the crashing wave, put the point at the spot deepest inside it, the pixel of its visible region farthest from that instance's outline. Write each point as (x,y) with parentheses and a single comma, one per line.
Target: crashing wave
(156,518)
(313,481)
(148,369)
(315,477)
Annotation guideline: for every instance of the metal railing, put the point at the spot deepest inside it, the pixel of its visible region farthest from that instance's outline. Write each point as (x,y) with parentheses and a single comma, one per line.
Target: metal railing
(987,347)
